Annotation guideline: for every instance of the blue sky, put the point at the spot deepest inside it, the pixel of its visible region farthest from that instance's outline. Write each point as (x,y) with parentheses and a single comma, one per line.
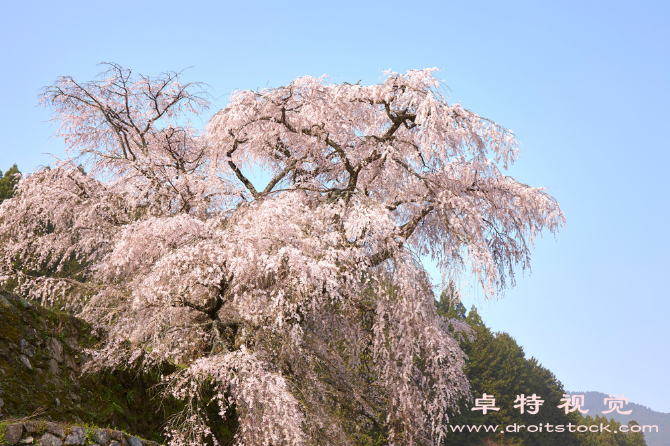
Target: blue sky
(584,85)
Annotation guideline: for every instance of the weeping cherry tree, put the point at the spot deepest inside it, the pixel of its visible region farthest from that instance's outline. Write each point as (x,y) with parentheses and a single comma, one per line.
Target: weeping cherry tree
(301,305)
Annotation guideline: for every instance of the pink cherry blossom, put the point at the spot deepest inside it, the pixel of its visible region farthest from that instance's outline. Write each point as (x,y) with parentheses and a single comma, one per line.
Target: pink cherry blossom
(295,302)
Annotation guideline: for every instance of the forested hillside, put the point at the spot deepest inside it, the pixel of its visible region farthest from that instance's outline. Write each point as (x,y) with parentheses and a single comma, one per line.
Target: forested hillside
(7,182)
(594,403)
(497,366)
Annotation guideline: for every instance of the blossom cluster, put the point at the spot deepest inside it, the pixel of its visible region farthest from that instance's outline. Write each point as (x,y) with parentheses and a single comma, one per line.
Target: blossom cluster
(303,306)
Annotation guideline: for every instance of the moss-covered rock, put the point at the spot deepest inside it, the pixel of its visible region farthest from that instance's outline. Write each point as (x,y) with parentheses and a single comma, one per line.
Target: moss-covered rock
(41,354)
(62,434)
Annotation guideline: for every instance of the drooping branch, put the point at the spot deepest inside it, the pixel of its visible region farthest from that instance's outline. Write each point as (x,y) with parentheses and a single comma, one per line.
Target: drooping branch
(362,178)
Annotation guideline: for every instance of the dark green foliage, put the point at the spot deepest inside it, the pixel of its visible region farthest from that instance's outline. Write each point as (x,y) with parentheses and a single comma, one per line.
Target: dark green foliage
(7,183)
(613,437)
(497,366)
(635,438)
(450,305)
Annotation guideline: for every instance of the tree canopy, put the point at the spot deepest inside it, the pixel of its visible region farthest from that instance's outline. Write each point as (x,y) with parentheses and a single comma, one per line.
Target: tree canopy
(496,365)
(300,307)
(7,182)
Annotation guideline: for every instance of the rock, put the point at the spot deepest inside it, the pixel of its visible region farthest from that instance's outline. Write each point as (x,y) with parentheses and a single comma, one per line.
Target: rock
(32,427)
(72,344)
(134,441)
(34,336)
(56,429)
(119,437)
(77,436)
(114,443)
(24,359)
(50,440)
(53,367)
(13,433)
(56,349)
(101,436)
(74,381)
(4,303)
(31,440)
(53,379)
(70,363)
(27,348)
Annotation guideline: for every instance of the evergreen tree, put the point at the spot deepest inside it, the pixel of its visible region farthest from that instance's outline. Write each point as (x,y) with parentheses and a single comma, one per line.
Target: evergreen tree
(7,183)
(497,366)
(635,438)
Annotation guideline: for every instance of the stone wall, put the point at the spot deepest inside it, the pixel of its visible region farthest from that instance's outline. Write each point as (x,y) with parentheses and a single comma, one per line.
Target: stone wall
(47,433)
(41,358)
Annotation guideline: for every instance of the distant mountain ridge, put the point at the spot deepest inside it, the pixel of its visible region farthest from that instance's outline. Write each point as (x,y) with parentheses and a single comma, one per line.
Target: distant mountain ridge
(594,402)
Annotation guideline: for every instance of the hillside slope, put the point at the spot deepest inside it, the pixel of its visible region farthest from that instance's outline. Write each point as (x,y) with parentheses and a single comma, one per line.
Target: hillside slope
(40,368)
(593,401)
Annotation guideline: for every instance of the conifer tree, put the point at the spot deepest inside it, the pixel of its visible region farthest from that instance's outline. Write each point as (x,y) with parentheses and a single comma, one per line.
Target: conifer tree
(496,365)
(8,182)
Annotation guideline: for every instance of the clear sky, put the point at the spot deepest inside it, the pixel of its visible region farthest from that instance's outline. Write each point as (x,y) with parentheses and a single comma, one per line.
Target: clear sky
(583,84)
